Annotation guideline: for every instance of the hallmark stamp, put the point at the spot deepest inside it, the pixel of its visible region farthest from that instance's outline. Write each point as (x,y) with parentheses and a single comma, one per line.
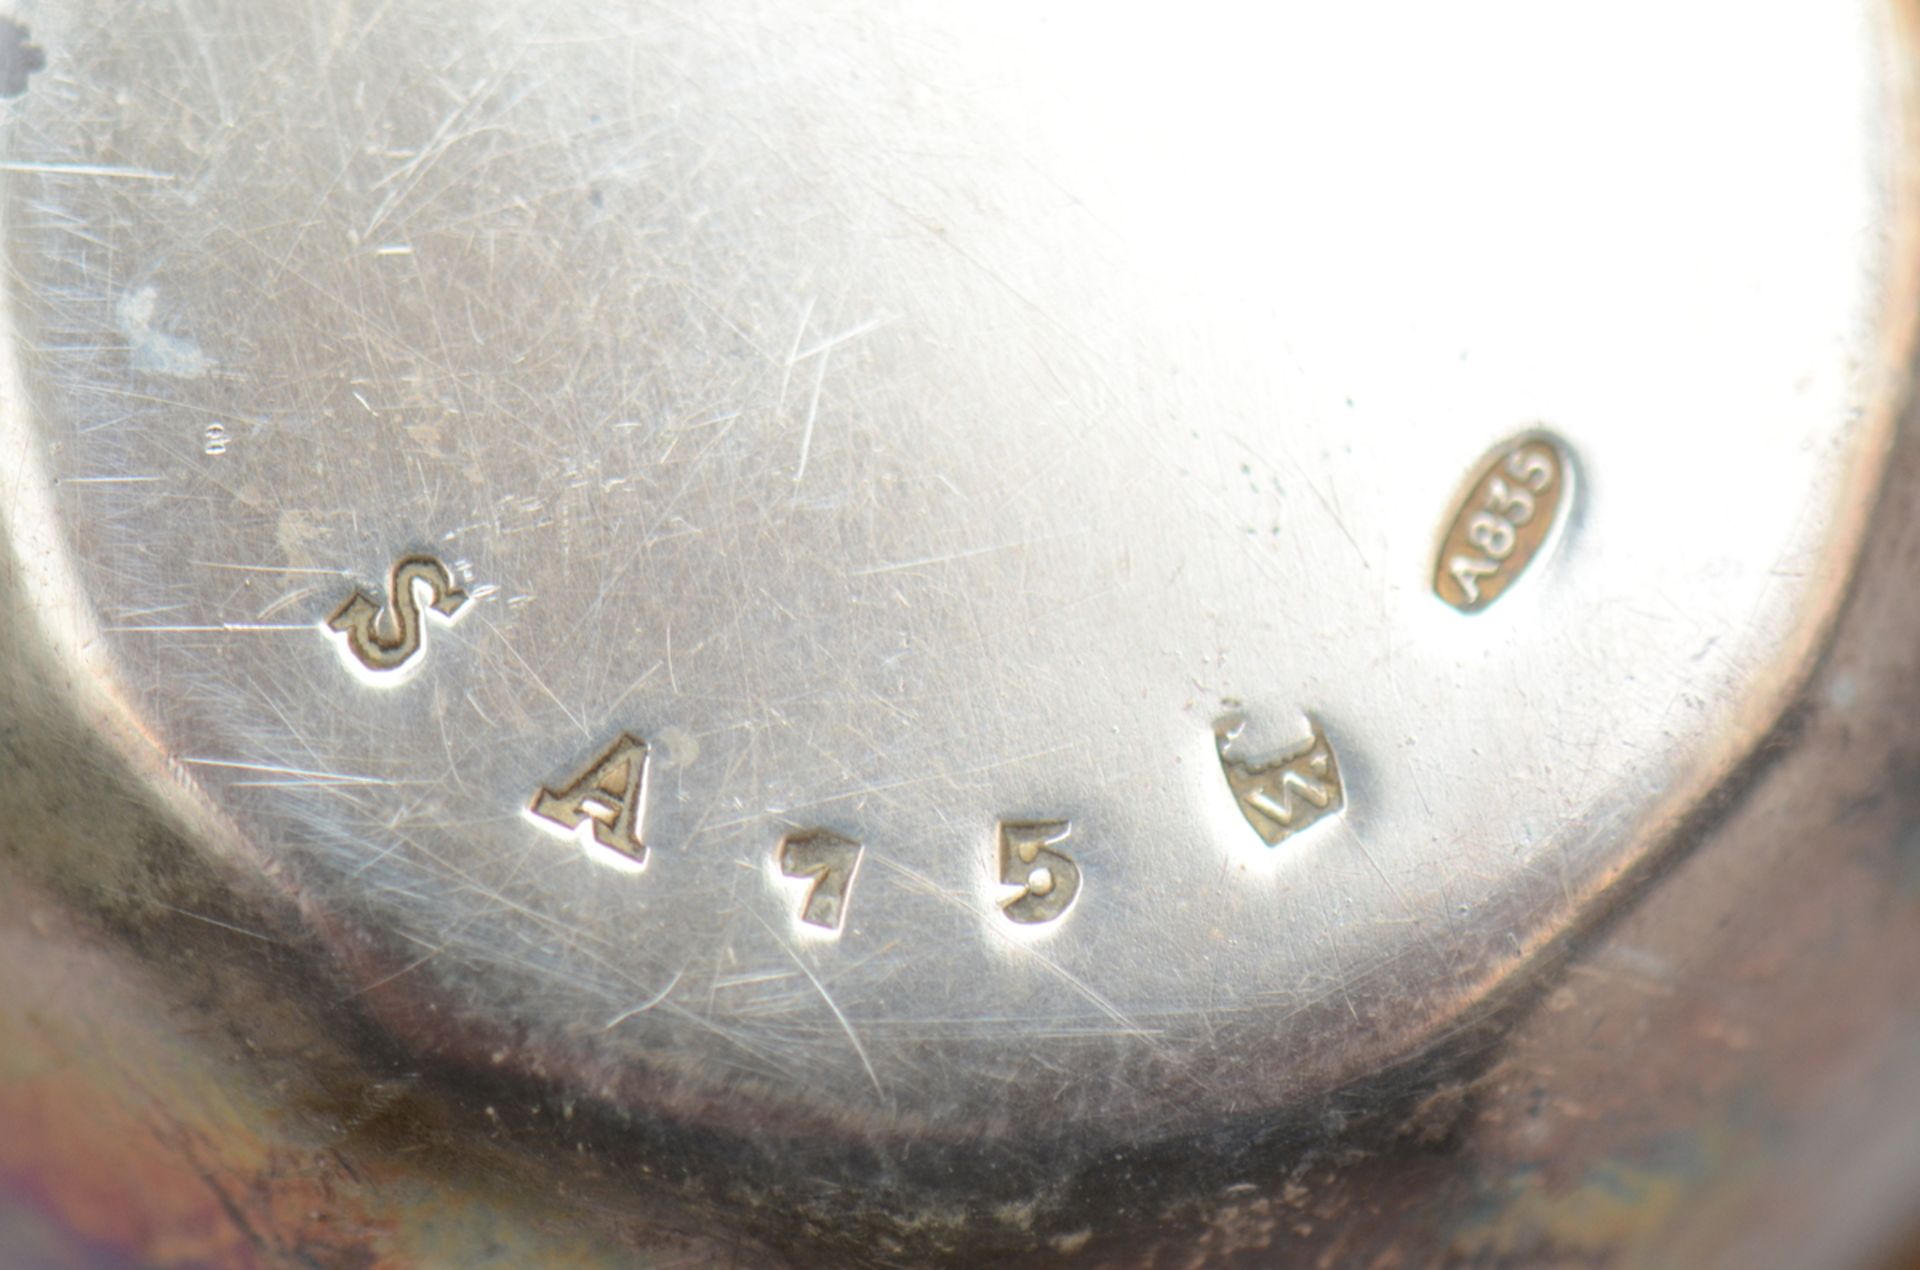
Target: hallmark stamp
(1047,877)
(385,638)
(827,862)
(1510,509)
(1283,795)
(607,798)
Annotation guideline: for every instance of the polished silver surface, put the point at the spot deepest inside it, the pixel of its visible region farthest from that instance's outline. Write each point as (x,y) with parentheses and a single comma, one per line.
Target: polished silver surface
(935,510)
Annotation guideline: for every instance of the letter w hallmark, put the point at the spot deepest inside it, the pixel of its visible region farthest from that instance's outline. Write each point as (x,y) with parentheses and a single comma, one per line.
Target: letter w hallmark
(1282,796)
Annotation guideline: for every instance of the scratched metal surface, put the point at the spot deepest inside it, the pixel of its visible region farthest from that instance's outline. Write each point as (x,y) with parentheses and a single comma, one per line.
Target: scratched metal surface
(906,422)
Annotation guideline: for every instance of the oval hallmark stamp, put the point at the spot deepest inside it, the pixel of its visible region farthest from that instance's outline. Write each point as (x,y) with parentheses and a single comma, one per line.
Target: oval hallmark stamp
(1516,500)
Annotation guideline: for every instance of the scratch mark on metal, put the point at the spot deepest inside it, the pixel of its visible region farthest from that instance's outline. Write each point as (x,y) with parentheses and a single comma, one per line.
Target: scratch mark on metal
(813,413)
(646,1005)
(214,921)
(345,778)
(218,627)
(539,682)
(894,566)
(793,357)
(85,169)
(634,686)
(834,341)
(267,568)
(1127,1026)
(832,1005)
(407,969)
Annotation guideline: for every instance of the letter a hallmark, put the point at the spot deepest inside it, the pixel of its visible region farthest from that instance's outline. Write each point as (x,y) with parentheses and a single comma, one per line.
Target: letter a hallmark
(608,796)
